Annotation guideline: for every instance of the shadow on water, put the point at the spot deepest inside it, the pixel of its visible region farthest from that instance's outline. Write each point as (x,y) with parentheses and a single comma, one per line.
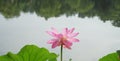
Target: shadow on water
(106,10)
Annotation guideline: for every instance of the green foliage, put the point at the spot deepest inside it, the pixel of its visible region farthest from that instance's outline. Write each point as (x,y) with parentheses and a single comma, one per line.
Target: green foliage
(110,57)
(118,52)
(106,10)
(30,53)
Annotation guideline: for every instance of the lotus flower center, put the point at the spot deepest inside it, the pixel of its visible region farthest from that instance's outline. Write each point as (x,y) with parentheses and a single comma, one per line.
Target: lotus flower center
(63,38)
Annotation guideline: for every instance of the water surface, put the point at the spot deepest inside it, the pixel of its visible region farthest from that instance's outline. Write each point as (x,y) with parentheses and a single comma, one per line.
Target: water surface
(25,22)
(96,38)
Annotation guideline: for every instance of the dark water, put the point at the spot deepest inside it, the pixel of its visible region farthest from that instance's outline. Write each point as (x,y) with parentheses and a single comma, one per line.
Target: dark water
(25,22)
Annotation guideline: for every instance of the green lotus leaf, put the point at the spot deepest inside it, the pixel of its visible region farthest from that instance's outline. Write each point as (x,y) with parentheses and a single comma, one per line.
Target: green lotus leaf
(110,57)
(30,53)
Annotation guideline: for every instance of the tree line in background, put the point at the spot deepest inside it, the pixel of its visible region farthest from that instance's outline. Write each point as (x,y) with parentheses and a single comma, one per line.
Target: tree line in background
(106,10)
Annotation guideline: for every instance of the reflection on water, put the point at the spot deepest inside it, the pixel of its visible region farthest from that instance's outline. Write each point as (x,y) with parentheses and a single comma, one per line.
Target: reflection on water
(87,16)
(106,10)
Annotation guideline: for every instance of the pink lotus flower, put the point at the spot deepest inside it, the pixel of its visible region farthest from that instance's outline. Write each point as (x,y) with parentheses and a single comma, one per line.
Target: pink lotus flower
(65,38)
